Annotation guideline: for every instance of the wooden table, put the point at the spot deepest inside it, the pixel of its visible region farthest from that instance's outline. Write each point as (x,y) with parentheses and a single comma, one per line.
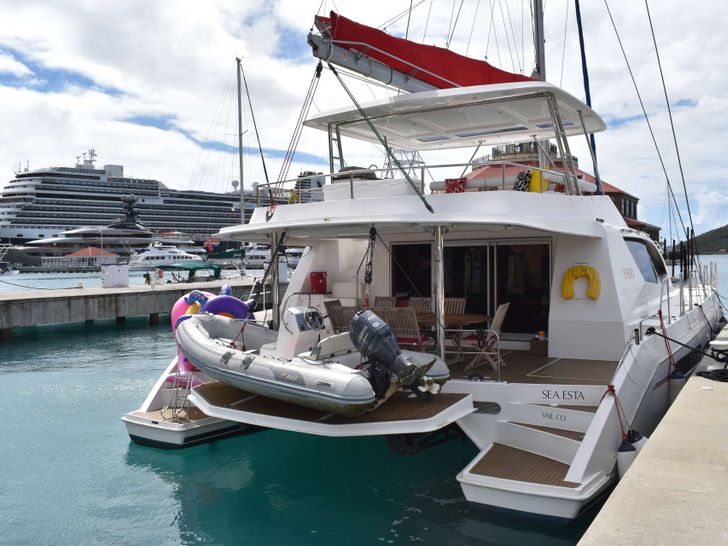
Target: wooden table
(453,322)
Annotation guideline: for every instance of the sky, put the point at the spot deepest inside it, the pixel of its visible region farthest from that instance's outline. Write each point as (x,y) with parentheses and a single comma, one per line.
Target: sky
(151,86)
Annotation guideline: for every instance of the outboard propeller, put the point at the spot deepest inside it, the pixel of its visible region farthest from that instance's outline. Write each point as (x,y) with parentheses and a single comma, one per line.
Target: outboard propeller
(376,342)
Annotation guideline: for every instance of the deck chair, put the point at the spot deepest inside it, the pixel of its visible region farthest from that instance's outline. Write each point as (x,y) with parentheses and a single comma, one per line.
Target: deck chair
(490,352)
(420,304)
(454,306)
(385,301)
(403,321)
(333,308)
(344,316)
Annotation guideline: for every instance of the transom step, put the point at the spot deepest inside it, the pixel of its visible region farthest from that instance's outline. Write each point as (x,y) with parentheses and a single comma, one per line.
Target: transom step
(510,463)
(571,434)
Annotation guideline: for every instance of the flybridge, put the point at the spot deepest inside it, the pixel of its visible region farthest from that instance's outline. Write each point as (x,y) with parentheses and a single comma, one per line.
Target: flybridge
(395,61)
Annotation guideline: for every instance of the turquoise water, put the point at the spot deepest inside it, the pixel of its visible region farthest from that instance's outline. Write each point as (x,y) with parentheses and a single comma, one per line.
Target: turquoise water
(70,475)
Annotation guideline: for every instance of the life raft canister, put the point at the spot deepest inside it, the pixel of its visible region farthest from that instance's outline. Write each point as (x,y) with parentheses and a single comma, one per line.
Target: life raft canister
(594,285)
(538,182)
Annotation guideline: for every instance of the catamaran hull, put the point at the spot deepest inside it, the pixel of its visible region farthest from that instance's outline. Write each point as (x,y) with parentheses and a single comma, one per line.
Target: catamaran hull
(562,503)
(151,426)
(171,435)
(536,505)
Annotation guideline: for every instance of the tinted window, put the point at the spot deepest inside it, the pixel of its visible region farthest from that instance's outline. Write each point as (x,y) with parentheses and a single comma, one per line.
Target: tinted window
(647,258)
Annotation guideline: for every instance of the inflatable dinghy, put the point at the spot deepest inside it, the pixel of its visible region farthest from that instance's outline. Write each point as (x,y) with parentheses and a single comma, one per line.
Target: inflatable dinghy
(345,374)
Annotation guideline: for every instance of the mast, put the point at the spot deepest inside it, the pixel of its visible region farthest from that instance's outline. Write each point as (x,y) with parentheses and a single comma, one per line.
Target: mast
(539,72)
(539,41)
(587,92)
(240,142)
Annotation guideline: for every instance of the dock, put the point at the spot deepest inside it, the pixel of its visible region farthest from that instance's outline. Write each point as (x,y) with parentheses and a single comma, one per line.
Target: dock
(675,491)
(42,307)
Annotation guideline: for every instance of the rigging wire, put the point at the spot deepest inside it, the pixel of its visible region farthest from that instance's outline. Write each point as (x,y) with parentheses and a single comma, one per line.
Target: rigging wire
(389,22)
(669,112)
(427,21)
(513,33)
(490,28)
(563,48)
(293,144)
(497,46)
(647,118)
(208,134)
(505,31)
(455,24)
(449,25)
(409,18)
(255,126)
(382,141)
(523,47)
(587,91)
(472,27)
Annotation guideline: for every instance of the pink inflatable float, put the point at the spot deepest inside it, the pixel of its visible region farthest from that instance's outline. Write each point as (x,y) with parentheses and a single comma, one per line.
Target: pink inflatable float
(187,305)
(196,302)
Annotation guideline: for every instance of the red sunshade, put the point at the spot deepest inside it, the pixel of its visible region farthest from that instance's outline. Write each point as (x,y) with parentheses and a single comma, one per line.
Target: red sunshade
(444,68)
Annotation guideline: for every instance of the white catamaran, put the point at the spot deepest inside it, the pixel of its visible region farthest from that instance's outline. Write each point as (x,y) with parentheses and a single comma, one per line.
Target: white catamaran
(483,266)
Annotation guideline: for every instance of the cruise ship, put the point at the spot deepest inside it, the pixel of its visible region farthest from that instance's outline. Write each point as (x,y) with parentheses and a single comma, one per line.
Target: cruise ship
(42,203)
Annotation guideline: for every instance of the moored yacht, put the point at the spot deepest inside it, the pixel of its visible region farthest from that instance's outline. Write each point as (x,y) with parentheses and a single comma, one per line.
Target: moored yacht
(158,254)
(123,236)
(256,257)
(562,330)
(487,266)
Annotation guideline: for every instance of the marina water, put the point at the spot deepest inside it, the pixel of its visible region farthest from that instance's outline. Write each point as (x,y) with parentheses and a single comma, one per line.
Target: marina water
(70,474)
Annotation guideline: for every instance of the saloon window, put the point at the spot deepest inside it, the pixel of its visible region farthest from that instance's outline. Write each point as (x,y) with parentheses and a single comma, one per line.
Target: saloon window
(647,258)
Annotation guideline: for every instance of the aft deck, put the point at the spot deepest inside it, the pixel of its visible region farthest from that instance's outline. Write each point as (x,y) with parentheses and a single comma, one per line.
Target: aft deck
(402,406)
(524,367)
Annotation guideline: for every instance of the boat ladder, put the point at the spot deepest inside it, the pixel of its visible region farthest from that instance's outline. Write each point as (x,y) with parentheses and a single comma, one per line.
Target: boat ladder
(179,403)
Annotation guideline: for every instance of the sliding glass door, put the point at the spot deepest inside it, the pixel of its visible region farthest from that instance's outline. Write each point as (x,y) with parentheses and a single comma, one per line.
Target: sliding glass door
(486,274)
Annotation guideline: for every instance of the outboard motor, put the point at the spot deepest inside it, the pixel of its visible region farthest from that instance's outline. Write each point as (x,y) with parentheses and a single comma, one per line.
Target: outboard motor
(376,342)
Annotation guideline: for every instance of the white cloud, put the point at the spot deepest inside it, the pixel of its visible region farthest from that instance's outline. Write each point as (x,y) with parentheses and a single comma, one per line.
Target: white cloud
(9,65)
(175,58)
(712,209)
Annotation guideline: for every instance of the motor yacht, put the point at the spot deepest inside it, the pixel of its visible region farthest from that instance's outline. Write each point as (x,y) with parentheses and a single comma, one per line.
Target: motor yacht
(158,254)
(256,257)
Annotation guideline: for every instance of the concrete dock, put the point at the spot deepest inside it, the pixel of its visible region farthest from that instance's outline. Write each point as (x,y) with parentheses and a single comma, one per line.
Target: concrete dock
(19,309)
(675,491)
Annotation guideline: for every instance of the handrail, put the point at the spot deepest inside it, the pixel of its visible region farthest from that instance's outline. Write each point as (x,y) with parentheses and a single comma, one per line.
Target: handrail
(297,192)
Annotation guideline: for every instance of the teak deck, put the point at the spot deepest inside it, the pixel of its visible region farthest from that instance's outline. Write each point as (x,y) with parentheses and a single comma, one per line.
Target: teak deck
(401,406)
(191,414)
(523,367)
(571,434)
(510,463)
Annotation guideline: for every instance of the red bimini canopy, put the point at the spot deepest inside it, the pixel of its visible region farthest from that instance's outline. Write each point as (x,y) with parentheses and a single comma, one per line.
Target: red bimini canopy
(437,66)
